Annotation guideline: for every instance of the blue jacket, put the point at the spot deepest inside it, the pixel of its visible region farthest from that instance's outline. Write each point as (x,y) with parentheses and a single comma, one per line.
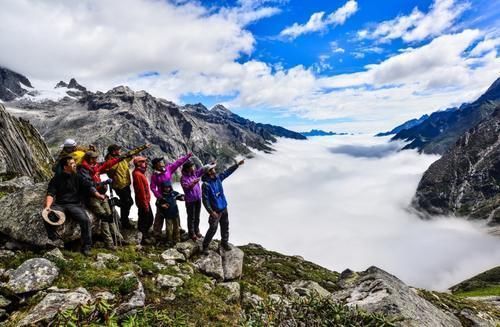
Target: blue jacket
(213,192)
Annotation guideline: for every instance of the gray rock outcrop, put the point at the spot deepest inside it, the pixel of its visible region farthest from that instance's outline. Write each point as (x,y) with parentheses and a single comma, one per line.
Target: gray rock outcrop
(375,290)
(23,221)
(136,300)
(23,152)
(53,303)
(232,263)
(32,275)
(211,265)
(172,254)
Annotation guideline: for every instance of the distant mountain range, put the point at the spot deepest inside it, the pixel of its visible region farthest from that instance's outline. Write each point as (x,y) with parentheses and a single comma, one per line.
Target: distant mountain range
(318,132)
(441,129)
(132,118)
(406,125)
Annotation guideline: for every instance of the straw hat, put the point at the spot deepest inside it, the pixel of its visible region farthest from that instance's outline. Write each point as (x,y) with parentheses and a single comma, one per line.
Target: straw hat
(53,217)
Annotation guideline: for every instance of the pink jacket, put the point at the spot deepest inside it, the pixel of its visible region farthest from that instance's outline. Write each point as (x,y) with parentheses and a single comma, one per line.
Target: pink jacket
(158,177)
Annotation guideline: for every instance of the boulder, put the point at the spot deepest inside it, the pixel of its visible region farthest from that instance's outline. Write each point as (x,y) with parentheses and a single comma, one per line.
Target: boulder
(107,257)
(53,303)
(173,254)
(32,275)
(21,220)
(211,265)
(232,263)
(136,300)
(234,291)
(306,288)
(55,254)
(167,281)
(375,290)
(251,300)
(16,184)
(187,248)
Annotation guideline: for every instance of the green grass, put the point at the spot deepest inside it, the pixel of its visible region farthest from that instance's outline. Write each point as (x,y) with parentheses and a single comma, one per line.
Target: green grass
(487,291)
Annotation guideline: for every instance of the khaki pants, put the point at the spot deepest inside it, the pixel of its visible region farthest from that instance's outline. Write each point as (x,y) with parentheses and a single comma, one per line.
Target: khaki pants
(173,229)
(102,210)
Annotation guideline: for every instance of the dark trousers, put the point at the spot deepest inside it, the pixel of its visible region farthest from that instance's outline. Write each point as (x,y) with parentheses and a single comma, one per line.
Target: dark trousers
(145,220)
(76,212)
(193,217)
(126,202)
(224,228)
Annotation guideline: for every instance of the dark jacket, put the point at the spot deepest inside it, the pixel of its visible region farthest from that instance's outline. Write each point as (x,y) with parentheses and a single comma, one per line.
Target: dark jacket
(171,199)
(70,188)
(213,192)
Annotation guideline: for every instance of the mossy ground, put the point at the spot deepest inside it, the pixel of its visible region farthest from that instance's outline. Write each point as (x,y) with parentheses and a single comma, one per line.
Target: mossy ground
(200,301)
(484,284)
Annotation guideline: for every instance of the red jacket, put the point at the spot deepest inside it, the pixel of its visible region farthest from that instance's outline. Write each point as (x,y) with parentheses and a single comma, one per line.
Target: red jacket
(94,172)
(141,189)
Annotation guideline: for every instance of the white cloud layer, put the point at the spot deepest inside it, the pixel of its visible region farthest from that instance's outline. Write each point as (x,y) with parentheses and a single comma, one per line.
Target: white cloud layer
(319,22)
(418,26)
(341,202)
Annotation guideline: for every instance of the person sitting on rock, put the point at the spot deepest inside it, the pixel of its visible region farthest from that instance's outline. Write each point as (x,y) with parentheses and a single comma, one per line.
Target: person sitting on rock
(91,170)
(215,203)
(70,190)
(168,211)
(120,174)
(70,148)
(142,198)
(161,173)
(190,182)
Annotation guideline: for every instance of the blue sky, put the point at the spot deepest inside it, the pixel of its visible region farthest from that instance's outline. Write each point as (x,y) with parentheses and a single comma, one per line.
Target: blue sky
(347,66)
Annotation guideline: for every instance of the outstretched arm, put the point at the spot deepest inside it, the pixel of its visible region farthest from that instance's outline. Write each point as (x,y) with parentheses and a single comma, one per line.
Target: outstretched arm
(230,170)
(177,163)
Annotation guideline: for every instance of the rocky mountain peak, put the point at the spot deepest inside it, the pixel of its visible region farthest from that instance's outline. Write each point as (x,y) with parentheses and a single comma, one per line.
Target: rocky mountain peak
(220,109)
(493,92)
(197,107)
(61,84)
(73,84)
(11,84)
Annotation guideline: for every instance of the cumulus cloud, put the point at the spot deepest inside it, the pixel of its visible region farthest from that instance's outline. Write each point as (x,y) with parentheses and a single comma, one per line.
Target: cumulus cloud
(343,210)
(319,22)
(417,25)
(408,84)
(197,50)
(103,39)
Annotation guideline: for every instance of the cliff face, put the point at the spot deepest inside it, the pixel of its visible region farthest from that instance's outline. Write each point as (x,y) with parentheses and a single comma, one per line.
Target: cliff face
(11,84)
(22,149)
(466,180)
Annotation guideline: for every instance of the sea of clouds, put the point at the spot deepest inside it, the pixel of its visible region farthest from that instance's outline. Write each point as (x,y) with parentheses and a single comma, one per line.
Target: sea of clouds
(342,202)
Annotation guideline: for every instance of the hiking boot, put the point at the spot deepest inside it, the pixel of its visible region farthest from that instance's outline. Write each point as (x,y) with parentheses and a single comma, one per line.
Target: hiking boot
(199,235)
(110,246)
(204,251)
(194,238)
(225,246)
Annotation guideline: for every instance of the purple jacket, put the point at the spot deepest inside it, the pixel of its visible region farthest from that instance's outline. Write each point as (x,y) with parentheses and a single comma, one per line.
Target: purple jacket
(192,191)
(157,178)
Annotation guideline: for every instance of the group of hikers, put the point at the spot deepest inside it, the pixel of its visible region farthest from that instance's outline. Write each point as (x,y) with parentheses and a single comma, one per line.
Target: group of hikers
(77,184)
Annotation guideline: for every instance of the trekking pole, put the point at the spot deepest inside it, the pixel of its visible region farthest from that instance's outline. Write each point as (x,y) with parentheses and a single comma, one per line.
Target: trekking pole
(118,240)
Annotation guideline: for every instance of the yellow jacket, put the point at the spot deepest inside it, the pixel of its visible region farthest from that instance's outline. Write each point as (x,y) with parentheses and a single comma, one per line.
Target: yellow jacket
(120,172)
(77,155)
